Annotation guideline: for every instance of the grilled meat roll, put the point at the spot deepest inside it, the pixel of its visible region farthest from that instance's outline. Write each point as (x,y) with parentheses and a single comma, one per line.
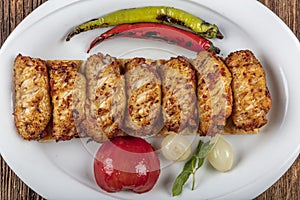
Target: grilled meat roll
(67,99)
(143,87)
(214,93)
(179,95)
(106,98)
(54,101)
(252,99)
(33,109)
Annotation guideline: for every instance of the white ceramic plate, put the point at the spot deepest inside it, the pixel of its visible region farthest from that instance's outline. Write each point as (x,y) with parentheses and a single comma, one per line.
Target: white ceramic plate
(64,170)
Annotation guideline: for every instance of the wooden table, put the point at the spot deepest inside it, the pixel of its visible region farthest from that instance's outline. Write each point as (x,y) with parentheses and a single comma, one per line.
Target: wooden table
(14,11)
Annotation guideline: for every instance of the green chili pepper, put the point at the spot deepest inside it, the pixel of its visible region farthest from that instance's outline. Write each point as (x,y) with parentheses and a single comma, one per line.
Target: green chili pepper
(158,14)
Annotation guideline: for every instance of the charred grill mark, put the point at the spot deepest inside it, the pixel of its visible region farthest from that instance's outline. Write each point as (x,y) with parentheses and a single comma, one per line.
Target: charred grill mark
(168,19)
(129,34)
(150,34)
(154,35)
(94,19)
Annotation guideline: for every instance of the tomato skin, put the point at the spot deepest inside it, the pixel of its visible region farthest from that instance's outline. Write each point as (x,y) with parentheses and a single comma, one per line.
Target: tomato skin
(126,163)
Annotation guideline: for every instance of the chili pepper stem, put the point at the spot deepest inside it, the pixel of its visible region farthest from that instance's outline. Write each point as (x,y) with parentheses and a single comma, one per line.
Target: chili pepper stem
(214,49)
(219,35)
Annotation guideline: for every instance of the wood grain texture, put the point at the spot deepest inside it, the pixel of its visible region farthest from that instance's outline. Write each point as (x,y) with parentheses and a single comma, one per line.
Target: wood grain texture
(12,12)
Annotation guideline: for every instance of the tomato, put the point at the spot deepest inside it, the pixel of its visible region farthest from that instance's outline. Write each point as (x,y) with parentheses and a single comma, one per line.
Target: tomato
(126,163)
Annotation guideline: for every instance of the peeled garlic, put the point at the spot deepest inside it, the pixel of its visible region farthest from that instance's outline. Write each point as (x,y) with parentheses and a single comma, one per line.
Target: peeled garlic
(176,147)
(221,156)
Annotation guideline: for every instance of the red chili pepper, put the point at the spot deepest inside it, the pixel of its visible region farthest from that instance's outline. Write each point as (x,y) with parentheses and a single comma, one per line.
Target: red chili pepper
(162,32)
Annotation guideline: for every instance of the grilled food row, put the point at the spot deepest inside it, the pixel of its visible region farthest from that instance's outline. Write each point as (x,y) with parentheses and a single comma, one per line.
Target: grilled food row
(104,97)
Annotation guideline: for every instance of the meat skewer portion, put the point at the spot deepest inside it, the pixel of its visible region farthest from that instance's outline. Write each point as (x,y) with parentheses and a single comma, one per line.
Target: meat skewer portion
(143,87)
(54,101)
(33,109)
(106,98)
(68,93)
(214,93)
(252,99)
(179,95)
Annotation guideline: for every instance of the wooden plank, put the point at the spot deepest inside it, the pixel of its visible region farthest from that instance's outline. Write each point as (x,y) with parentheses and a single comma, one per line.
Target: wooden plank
(19,11)
(5,20)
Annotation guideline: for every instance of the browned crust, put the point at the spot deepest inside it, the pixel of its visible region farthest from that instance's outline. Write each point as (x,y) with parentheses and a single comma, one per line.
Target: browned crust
(106,98)
(213,92)
(179,94)
(252,99)
(33,109)
(230,128)
(143,88)
(67,96)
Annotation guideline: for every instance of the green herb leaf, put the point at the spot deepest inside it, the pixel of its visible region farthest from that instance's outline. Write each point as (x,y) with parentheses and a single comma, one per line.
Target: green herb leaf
(200,163)
(204,150)
(183,176)
(179,182)
(191,166)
